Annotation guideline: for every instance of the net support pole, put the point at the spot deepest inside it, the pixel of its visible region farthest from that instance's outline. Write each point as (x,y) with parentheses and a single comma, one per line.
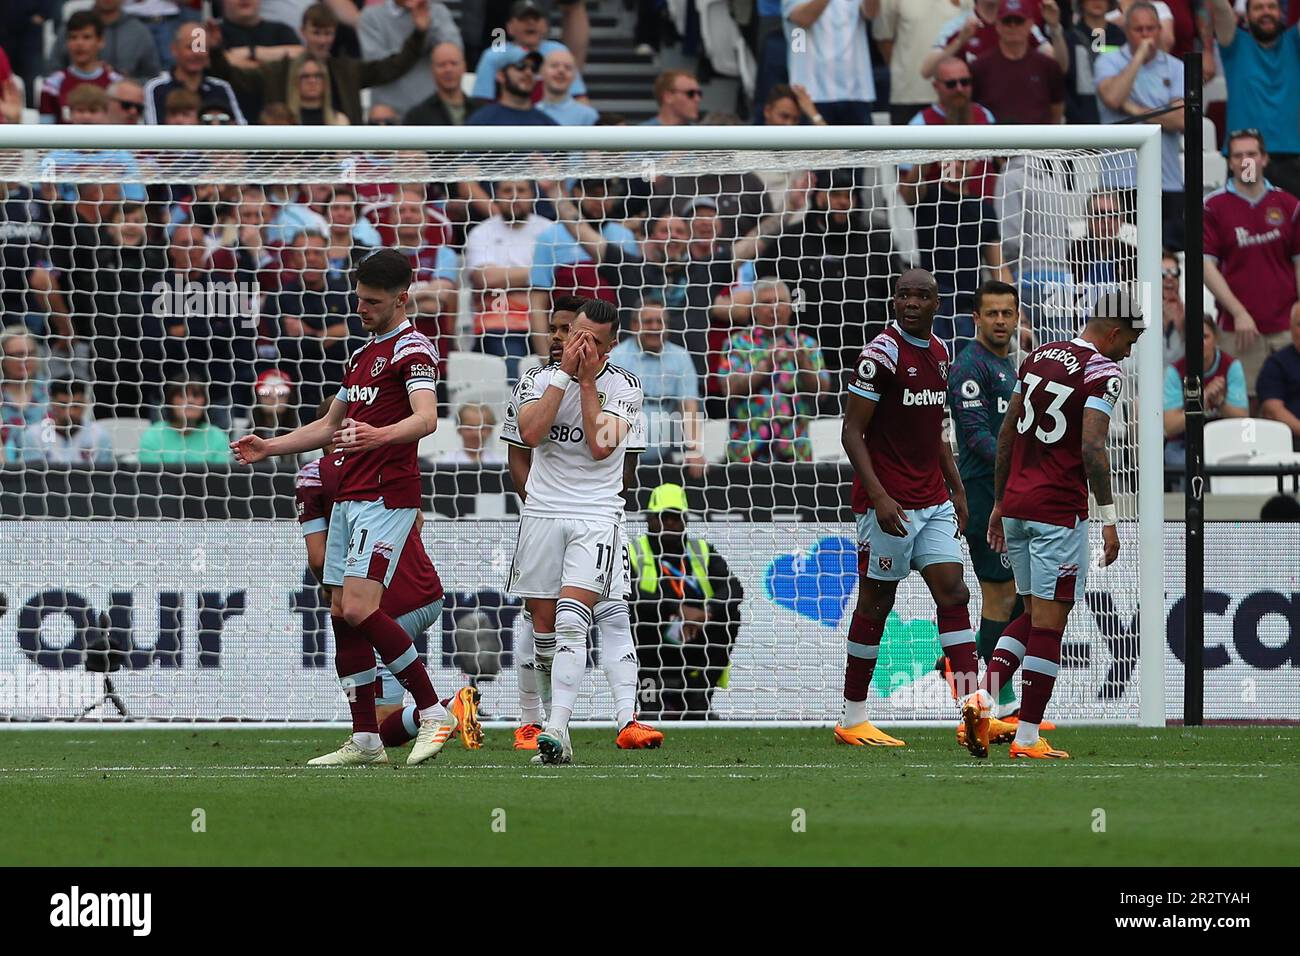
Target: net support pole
(1151,464)
(1193,402)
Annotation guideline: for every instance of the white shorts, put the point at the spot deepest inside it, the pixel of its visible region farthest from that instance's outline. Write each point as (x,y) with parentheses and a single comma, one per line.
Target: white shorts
(555,553)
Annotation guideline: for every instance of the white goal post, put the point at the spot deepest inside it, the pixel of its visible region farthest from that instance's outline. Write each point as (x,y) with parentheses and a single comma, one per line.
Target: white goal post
(43,548)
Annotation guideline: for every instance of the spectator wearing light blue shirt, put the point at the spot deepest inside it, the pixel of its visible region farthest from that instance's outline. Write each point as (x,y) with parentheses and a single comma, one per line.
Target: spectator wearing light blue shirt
(63,437)
(1135,79)
(670,386)
(830,57)
(1224,392)
(1262,67)
(569,255)
(678,94)
(558,73)
(527,29)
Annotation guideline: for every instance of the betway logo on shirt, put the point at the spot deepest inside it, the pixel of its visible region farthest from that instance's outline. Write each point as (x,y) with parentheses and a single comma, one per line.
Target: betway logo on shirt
(929,396)
(365,394)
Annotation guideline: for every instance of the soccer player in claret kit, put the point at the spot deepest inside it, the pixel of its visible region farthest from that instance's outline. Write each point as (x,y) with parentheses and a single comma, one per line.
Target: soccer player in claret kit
(413,599)
(386,404)
(579,417)
(1051,451)
(908,497)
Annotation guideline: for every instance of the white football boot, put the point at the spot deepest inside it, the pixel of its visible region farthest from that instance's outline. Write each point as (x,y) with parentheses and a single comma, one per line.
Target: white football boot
(554,747)
(350,755)
(433,735)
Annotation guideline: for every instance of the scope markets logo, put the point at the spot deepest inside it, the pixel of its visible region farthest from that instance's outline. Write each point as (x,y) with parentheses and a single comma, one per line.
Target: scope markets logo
(75,909)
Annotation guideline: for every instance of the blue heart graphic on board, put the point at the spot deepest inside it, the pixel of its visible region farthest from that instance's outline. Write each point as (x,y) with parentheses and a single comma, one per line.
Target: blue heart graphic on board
(817,584)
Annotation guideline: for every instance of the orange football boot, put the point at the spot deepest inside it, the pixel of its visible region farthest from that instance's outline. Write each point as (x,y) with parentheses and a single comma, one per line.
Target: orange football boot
(865,734)
(1040,751)
(639,736)
(526,736)
(465,706)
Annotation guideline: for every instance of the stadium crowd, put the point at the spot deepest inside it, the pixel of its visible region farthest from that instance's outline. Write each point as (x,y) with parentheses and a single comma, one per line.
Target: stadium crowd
(746,297)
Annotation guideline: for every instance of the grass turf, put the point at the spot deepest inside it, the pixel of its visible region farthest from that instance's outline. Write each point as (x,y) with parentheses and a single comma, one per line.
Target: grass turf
(1170,797)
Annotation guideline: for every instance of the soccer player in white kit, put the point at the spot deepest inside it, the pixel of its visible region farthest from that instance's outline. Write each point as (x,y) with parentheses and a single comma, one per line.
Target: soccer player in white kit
(577,417)
(617,649)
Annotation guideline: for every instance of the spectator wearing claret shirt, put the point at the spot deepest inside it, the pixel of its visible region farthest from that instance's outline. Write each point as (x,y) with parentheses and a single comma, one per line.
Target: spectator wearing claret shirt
(970,35)
(85,43)
(1262,67)
(957,231)
(1224,391)
(128,45)
(557,102)
(1279,385)
(834,60)
(11,98)
(904,32)
(1018,83)
(678,94)
(1136,79)
(1252,255)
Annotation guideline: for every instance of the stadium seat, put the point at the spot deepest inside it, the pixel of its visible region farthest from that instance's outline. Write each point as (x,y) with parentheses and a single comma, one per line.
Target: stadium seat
(713,441)
(825,434)
(719,33)
(1214,172)
(1247,441)
(125,434)
(475,377)
(443,440)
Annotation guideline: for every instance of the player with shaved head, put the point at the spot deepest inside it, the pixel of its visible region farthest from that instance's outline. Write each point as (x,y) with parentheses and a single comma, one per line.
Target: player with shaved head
(908,497)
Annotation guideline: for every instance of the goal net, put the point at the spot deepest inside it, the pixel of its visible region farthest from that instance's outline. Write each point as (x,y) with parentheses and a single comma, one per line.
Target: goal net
(164,298)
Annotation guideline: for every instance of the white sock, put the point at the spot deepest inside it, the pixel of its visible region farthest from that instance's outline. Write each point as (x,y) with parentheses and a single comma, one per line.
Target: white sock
(1026,733)
(437,712)
(855,712)
(618,658)
(1005,710)
(367,741)
(572,621)
(530,698)
(543,657)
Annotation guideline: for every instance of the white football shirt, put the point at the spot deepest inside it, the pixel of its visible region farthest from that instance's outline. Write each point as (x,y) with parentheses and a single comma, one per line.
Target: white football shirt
(565,481)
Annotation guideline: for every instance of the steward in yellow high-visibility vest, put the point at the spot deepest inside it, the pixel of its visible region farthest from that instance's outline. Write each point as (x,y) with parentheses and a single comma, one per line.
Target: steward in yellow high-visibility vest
(685,609)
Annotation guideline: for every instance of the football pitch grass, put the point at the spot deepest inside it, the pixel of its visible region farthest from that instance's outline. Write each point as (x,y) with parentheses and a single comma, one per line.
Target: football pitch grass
(1210,796)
